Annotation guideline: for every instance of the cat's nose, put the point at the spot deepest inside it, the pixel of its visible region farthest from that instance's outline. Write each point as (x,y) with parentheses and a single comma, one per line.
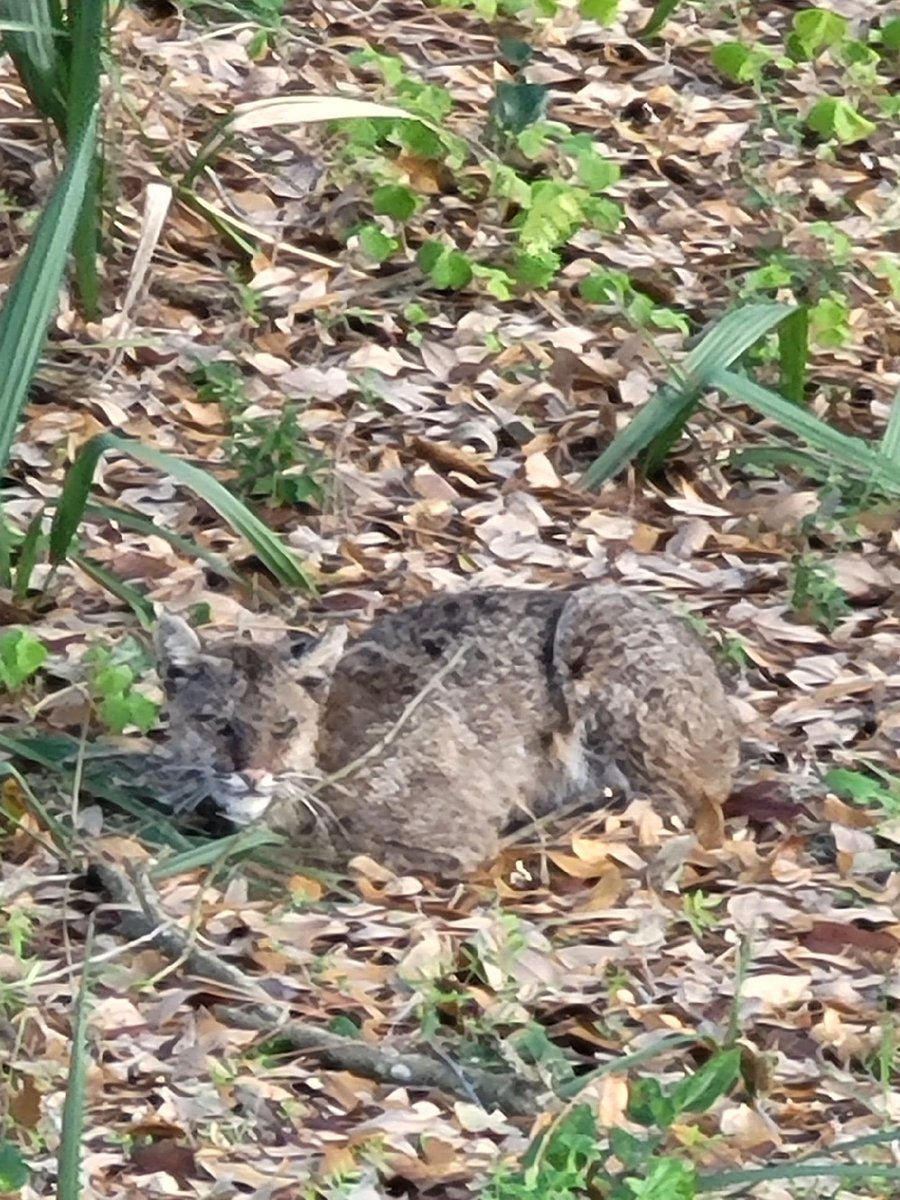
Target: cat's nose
(257,779)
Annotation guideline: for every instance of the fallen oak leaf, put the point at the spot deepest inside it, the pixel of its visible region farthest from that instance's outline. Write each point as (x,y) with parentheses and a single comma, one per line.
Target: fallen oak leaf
(141,916)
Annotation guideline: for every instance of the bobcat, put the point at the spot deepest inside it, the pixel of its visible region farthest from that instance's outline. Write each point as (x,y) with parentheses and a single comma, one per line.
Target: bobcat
(420,741)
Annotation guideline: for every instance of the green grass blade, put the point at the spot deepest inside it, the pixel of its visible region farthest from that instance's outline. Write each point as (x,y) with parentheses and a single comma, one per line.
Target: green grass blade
(890,442)
(32,299)
(139,605)
(87,25)
(660,421)
(69,1163)
(86,41)
(851,453)
(793,354)
(72,503)
(732,337)
(35,37)
(660,15)
(665,411)
(46,749)
(776,458)
(28,553)
(290,110)
(190,549)
(210,854)
(849,1173)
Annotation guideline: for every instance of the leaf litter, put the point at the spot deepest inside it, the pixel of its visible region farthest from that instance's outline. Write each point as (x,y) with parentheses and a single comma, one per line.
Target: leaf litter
(455,456)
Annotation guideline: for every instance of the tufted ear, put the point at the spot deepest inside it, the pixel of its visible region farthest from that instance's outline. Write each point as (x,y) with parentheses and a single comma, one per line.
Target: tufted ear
(321,658)
(316,659)
(175,642)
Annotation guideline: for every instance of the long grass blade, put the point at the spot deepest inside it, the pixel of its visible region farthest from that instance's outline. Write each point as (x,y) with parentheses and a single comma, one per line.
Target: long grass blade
(27,557)
(890,441)
(35,36)
(793,354)
(658,18)
(291,110)
(139,605)
(32,299)
(87,28)
(69,1182)
(732,337)
(76,490)
(190,549)
(657,425)
(849,452)
(666,411)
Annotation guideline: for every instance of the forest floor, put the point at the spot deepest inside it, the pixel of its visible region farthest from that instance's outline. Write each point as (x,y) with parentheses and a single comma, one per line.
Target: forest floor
(406,437)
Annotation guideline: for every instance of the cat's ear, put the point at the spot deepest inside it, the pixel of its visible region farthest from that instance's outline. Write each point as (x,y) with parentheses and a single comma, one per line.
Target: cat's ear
(316,659)
(175,642)
(319,656)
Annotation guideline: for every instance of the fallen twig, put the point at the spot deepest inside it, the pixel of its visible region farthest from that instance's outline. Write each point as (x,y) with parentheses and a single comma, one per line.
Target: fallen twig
(141,916)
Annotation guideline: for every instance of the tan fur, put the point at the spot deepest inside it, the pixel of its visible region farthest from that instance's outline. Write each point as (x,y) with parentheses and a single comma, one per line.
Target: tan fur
(421,740)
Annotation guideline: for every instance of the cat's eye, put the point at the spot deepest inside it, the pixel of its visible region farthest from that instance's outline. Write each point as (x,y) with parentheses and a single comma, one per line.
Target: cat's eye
(300,644)
(284,729)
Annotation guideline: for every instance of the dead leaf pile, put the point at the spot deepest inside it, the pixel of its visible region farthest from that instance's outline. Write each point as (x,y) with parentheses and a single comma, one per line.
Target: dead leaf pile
(451,448)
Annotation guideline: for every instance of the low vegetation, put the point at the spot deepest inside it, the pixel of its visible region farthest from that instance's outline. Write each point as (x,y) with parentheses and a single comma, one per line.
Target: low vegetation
(322,305)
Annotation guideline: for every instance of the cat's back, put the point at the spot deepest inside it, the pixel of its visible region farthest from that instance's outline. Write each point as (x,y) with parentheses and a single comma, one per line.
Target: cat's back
(487,653)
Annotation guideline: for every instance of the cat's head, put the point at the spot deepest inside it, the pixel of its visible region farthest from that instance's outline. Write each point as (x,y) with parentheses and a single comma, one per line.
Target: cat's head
(244,712)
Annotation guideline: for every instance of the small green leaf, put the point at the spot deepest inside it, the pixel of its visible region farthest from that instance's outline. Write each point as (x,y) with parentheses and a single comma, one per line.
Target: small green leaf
(143,713)
(14,1171)
(445,267)
(890,34)
(603,214)
(606,286)
(421,141)
(864,789)
(814,29)
(115,712)
(114,680)
(534,140)
(509,185)
(21,656)
(554,213)
(536,270)
(376,244)
(390,67)
(514,51)
(345,1026)
(416,314)
(604,11)
(667,1179)
(829,322)
(496,282)
(515,106)
(834,117)
(710,1083)
(596,172)
(430,101)
(395,200)
(735,61)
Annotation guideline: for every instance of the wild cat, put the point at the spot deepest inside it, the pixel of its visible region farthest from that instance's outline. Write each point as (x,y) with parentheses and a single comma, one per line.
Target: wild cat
(421,740)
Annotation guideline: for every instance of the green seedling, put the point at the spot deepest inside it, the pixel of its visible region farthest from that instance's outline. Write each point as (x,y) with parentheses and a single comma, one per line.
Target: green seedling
(21,656)
(113,676)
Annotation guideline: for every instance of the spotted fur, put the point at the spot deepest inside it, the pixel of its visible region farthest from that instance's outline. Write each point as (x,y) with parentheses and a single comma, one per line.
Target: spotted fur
(421,740)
